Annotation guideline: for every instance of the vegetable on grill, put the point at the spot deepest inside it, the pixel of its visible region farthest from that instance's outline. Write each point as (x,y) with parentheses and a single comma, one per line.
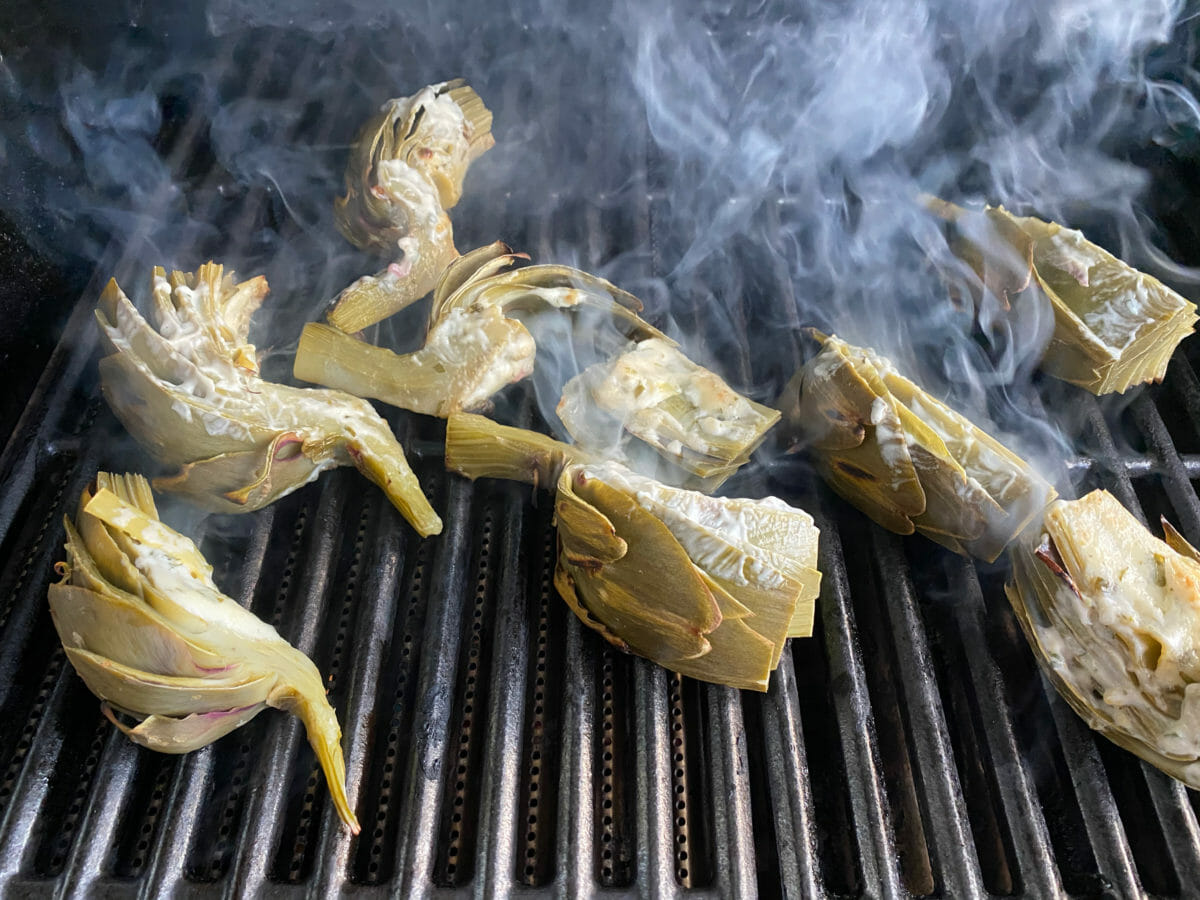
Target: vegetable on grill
(654,393)
(1113,616)
(907,460)
(189,391)
(710,587)
(407,169)
(474,346)
(1114,326)
(149,632)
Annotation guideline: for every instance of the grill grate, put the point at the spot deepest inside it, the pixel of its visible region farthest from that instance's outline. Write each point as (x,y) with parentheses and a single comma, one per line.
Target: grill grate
(910,748)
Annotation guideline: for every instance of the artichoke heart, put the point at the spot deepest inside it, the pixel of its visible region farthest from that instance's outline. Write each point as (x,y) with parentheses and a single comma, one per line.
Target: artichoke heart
(474,346)
(686,413)
(149,632)
(1113,616)
(710,587)
(406,169)
(907,460)
(1114,326)
(189,391)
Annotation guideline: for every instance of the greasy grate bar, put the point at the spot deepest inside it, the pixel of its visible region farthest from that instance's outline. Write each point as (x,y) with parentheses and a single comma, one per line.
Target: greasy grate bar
(910,748)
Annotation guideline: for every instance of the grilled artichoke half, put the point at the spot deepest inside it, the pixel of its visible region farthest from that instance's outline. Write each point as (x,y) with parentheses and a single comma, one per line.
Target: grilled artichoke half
(406,169)
(150,634)
(1114,326)
(654,393)
(1113,617)
(710,587)
(907,460)
(473,347)
(188,390)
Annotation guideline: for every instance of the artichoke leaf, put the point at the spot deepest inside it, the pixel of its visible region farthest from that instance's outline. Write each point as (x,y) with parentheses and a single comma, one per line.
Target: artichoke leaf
(169,734)
(132,688)
(116,628)
(674,626)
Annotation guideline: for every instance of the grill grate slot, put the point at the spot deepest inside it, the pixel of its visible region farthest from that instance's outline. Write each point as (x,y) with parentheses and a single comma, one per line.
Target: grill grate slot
(460,812)
(538,803)
(614,768)
(374,864)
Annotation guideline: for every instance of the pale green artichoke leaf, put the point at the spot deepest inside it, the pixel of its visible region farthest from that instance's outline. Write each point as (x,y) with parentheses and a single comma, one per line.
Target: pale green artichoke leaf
(652,597)
(473,266)
(170,734)
(587,537)
(254,478)
(119,628)
(131,688)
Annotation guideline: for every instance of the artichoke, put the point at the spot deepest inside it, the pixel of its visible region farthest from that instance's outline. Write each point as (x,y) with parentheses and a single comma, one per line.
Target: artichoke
(150,634)
(907,460)
(710,587)
(1113,616)
(407,169)
(189,391)
(473,347)
(1113,326)
(686,413)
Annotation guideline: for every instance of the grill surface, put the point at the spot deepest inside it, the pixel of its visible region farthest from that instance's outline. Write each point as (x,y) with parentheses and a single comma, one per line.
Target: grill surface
(495,747)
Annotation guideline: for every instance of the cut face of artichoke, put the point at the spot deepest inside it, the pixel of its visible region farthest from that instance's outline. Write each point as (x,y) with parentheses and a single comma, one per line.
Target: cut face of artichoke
(406,169)
(474,347)
(188,390)
(907,460)
(1113,617)
(686,413)
(1114,326)
(150,633)
(710,587)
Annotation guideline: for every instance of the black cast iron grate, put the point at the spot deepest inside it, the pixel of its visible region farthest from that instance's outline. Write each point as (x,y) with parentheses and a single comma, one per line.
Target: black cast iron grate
(496,747)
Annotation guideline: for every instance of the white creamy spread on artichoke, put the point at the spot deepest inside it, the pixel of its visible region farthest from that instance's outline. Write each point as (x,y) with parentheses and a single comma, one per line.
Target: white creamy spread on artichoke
(716,532)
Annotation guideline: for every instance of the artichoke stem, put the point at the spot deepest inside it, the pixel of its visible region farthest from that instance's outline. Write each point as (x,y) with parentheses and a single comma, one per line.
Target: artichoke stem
(477,447)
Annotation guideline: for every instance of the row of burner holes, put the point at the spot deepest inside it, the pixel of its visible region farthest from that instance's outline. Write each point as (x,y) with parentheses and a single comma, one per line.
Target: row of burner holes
(537,726)
(678,781)
(305,825)
(221,851)
(607,778)
(398,705)
(468,708)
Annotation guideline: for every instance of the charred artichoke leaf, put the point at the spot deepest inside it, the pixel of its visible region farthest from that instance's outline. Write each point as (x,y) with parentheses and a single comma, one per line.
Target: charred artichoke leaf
(1114,327)
(474,346)
(166,647)
(406,169)
(188,390)
(634,553)
(688,414)
(917,464)
(1111,614)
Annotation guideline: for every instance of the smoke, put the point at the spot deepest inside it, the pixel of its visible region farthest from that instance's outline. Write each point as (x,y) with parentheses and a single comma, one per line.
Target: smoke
(744,167)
